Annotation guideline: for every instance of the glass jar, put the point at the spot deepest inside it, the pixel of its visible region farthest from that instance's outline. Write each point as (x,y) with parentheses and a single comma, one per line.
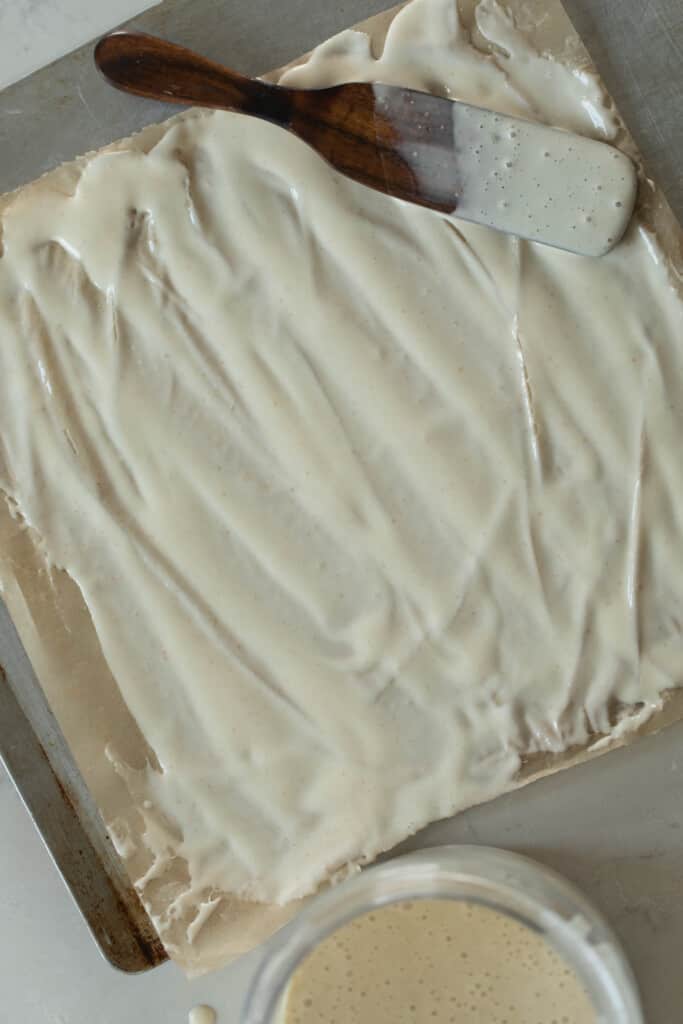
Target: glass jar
(506,882)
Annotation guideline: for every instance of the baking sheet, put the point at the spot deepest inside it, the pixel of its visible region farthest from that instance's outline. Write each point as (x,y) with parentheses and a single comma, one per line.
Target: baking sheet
(52,789)
(38,616)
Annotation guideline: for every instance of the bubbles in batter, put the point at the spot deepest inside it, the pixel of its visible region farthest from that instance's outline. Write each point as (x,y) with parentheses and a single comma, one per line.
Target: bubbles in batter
(435,962)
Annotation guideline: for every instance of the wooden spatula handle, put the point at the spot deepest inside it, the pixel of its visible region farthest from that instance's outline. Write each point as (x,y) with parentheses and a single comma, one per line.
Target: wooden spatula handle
(362,133)
(157,69)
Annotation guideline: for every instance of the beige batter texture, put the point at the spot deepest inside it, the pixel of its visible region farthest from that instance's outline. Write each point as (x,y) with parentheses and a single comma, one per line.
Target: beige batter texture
(435,962)
(359,510)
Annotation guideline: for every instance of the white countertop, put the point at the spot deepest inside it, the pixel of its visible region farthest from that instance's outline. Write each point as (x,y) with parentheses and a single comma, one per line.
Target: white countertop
(620,831)
(35,32)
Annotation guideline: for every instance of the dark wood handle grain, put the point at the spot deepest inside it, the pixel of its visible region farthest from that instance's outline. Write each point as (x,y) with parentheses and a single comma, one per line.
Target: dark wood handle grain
(159,70)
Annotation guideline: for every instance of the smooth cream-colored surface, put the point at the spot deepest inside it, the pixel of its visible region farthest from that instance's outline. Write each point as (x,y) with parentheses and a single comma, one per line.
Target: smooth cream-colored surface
(435,962)
(202,1015)
(358,512)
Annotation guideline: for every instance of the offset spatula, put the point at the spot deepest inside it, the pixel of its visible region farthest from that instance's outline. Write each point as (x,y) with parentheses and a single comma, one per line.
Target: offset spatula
(515,176)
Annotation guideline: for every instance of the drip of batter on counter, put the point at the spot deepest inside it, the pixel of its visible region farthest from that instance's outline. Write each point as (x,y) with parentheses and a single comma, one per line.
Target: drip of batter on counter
(202,1015)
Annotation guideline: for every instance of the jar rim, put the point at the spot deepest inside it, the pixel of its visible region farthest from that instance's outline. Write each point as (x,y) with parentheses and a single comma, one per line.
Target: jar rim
(510,883)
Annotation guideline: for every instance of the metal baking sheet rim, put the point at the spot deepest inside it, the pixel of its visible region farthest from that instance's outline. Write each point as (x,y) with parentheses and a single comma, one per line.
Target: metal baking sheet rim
(52,789)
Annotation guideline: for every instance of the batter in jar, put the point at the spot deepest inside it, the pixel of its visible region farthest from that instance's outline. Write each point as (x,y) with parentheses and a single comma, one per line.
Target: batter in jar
(435,962)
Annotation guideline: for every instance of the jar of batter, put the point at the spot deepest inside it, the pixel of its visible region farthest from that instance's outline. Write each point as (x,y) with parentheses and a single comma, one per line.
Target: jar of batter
(451,935)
